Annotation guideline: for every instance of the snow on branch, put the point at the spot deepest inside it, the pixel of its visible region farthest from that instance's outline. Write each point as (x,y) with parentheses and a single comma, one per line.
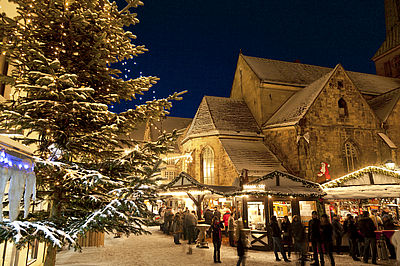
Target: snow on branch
(22,232)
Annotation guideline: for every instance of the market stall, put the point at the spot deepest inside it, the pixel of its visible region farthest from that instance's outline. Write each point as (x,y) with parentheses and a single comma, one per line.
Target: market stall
(370,188)
(277,193)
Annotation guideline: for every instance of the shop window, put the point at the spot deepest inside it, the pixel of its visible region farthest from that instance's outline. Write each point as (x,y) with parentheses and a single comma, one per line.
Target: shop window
(256,215)
(282,209)
(306,209)
(343,112)
(207,162)
(351,158)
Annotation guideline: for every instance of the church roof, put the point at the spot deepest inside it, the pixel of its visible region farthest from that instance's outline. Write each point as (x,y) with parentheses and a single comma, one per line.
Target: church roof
(251,155)
(384,104)
(298,104)
(392,40)
(297,74)
(219,115)
(168,124)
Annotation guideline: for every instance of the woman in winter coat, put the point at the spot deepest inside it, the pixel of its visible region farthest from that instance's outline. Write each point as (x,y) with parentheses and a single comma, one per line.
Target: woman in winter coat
(177,227)
(277,240)
(287,233)
(326,234)
(225,218)
(299,236)
(216,233)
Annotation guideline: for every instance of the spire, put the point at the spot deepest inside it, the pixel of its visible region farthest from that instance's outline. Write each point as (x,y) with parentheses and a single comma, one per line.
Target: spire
(392,21)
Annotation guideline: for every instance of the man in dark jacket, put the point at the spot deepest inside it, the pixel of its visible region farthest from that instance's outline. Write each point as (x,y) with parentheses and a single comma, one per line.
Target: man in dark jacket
(277,240)
(367,229)
(208,215)
(217,213)
(314,235)
(352,232)
(191,222)
(337,233)
(168,216)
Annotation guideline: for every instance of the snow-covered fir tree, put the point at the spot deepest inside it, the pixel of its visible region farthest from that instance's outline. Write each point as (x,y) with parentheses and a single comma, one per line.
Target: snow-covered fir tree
(62,52)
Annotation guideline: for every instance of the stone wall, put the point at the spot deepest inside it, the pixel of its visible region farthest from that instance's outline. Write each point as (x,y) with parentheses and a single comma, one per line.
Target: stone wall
(392,126)
(224,171)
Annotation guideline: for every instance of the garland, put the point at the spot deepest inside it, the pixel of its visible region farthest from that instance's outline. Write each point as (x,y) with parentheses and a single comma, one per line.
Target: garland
(277,173)
(369,169)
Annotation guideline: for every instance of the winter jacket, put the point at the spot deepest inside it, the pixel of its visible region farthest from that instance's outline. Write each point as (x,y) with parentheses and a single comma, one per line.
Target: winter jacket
(326,232)
(367,227)
(337,228)
(225,218)
(352,230)
(177,226)
(298,232)
(216,231)
(217,213)
(276,231)
(168,215)
(208,215)
(314,229)
(231,223)
(240,247)
(190,220)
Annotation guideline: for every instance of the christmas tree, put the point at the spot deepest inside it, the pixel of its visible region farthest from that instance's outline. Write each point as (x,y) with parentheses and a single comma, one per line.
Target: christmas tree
(62,53)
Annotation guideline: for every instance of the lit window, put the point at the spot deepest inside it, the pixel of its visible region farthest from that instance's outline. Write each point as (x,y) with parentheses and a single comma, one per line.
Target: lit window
(350,153)
(207,161)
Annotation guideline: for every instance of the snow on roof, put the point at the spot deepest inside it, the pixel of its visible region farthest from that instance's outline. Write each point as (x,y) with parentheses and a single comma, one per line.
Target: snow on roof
(298,74)
(253,156)
(384,104)
(298,104)
(7,143)
(168,124)
(363,192)
(225,115)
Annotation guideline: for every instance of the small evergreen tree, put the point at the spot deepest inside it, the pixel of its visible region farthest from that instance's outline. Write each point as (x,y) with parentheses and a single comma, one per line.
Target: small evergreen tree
(62,53)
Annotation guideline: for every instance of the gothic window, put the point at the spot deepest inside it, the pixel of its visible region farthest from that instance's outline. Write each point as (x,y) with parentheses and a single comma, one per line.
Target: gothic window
(351,156)
(207,162)
(343,112)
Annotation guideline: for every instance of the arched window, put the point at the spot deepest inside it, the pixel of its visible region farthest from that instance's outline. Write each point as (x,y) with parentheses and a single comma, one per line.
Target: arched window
(343,112)
(207,161)
(351,156)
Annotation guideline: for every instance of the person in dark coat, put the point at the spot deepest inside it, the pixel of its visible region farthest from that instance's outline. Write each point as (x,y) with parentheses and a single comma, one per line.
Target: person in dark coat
(216,233)
(277,240)
(352,232)
(337,233)
(367,229)
(314,235)
(217,213)
(177,228)
(388,224)
(168,216)
(241,249)
(287,234)
(299,236)
(191,222)
(326,236)
(231,229)
(208,215)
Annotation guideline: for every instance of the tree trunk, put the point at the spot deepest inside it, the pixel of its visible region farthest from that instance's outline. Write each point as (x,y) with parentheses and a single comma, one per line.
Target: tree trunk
(51,254)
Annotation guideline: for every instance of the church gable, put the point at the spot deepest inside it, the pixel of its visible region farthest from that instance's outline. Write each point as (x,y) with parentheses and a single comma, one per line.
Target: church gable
(340,103)
(202,121)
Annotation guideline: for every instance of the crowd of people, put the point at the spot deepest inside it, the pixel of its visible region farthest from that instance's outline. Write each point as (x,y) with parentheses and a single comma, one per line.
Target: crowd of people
(287,236)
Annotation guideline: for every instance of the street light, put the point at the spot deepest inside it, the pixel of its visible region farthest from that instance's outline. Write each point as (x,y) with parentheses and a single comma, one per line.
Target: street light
(389,164)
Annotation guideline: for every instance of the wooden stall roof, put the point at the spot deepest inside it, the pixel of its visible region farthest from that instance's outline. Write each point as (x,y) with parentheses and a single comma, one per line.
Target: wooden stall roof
(184,182)
(279,183)
(368,182)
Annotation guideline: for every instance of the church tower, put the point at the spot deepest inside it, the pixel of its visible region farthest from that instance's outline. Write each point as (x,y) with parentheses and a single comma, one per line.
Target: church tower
(387,58)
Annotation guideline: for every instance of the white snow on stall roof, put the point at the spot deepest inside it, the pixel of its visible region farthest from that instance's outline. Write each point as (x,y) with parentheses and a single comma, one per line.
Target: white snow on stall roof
(363,192)
(290,73)
(251,155)
(298,104)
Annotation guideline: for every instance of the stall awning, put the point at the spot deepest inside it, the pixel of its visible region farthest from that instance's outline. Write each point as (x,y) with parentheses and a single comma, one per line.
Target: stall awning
(368,182)
(363,192)
(185,183)
(279,183)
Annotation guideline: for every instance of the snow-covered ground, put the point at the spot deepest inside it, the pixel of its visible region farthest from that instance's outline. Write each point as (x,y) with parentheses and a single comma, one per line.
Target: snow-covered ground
(159,250)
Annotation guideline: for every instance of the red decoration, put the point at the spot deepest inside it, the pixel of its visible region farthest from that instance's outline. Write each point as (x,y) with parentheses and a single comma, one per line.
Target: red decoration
(324,171)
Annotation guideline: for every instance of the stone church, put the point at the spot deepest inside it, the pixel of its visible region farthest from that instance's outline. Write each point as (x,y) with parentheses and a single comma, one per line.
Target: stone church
(310,121)
(304,119)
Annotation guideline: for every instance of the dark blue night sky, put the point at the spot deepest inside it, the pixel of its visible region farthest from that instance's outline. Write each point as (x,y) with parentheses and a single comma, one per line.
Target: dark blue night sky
(194,45)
